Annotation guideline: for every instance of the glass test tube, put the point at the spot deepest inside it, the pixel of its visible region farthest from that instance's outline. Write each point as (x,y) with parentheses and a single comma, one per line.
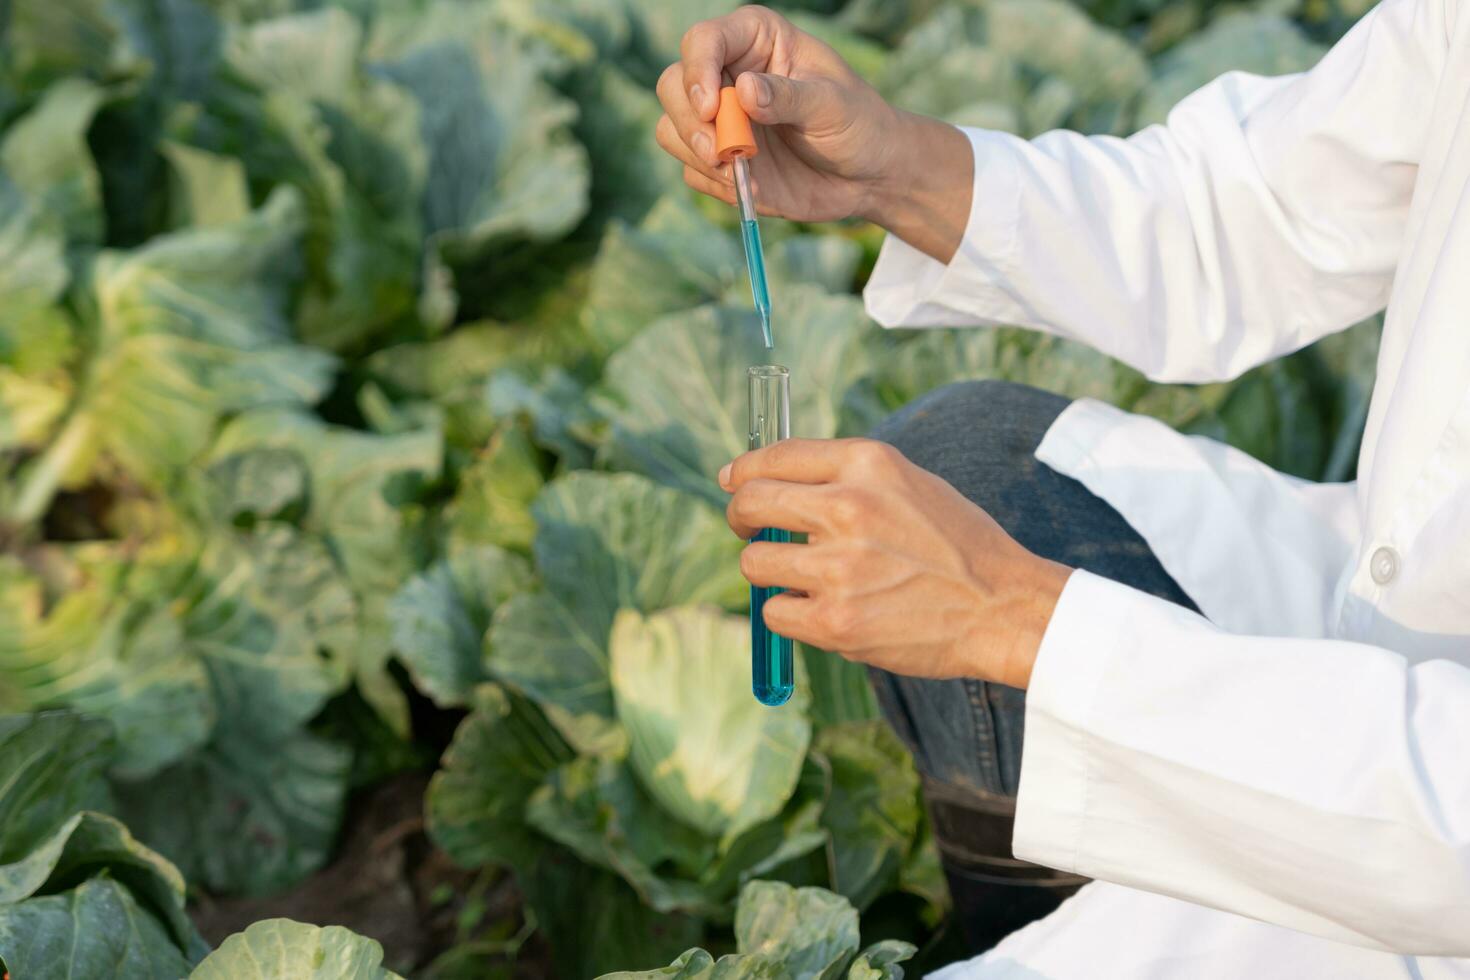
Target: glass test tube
(772,670)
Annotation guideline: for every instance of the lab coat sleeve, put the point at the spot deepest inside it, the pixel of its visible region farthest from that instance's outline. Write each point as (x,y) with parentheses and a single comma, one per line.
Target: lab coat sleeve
(1266,213)
(1316,784)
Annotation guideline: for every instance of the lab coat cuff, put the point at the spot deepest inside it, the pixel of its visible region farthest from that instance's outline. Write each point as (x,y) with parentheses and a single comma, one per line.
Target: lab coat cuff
(1051,805)
(1075,434)
(910,289)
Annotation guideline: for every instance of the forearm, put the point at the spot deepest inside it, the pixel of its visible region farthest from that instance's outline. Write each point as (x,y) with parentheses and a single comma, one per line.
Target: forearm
(923,195)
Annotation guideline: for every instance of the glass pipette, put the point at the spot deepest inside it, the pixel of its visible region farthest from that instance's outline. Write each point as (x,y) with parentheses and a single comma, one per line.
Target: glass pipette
(750,236)
(735,144)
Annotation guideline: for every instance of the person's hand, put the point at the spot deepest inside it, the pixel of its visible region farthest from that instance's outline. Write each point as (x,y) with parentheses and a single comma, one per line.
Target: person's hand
(899,571)
(827,134)
(830,146)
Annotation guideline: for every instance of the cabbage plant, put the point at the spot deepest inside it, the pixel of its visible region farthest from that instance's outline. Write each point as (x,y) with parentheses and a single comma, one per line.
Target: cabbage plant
(364,372)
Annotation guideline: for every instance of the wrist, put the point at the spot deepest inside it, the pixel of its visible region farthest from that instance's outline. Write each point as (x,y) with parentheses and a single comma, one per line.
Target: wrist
(892,182)
(922,191)
(880,196)
(1032,615)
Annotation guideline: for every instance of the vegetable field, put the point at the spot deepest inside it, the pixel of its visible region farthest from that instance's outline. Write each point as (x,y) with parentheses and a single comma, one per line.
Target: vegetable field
(364,372)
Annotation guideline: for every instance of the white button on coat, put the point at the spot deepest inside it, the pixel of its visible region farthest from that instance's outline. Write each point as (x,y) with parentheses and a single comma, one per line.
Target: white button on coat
(1384,565)
(1279,788)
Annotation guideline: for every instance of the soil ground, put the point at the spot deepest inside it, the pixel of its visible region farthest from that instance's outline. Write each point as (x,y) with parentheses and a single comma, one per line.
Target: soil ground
(435,921)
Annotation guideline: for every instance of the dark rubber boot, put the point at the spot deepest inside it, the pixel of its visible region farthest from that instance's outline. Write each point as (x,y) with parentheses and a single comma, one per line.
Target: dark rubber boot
(994,895)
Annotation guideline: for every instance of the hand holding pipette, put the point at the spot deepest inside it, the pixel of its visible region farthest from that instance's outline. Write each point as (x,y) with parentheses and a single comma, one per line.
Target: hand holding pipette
(830,146)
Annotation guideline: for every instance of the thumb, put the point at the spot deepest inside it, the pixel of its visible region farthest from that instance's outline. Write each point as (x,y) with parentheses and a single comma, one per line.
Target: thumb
(775,99)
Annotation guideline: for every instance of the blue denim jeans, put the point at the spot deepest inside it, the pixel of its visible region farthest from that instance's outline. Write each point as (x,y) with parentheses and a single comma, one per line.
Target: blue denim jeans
(966,735)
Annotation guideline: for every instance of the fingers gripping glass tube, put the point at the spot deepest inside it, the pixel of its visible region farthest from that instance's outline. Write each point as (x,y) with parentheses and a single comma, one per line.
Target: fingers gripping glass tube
(772,668)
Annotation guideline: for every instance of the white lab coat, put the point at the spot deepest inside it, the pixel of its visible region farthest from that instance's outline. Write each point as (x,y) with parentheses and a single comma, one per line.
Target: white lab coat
(1279,788)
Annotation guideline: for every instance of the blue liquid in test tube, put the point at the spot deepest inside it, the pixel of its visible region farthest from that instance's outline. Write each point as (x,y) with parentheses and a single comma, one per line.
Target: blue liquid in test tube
(772,671)
(772,664)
